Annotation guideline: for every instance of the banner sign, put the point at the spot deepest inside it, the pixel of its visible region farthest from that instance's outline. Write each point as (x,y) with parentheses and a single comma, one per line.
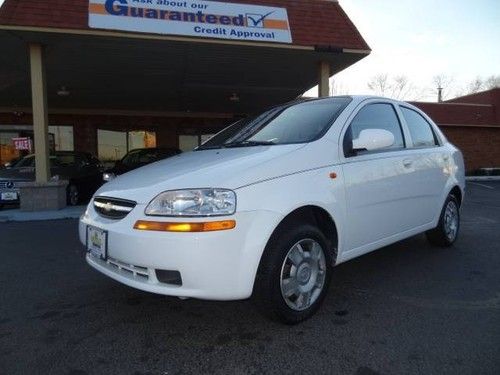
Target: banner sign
(23,143)
(203,19)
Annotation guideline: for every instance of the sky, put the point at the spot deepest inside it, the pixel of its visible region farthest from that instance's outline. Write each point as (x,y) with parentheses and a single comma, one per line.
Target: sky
(421,39)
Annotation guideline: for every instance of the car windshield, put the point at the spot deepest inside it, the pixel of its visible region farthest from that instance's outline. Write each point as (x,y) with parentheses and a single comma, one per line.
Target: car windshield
(297,122)
(28,161)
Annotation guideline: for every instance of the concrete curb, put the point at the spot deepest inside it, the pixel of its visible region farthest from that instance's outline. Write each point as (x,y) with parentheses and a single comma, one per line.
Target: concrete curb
(482,178)
(18,215)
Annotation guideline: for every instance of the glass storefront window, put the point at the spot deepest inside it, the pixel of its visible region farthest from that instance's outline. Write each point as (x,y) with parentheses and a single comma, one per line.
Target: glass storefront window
(190,142)
(141,139)
(114,145)
(7,150)
(63,137)
(111,145)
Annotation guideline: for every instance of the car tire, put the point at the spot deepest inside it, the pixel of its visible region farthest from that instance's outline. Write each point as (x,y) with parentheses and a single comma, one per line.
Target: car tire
(73,195)
(294,274)
(446,232)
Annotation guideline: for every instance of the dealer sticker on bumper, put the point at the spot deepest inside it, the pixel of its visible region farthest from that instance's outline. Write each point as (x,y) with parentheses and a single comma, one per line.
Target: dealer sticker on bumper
(97,242)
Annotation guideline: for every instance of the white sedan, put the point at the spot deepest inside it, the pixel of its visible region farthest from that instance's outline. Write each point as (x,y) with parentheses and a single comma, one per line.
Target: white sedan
(267,207)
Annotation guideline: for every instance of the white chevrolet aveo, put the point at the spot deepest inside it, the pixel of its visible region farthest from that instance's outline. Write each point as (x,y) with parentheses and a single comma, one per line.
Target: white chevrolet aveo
(269,205)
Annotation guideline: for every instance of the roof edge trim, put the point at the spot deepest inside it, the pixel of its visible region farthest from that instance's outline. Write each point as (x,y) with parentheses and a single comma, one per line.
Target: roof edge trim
(145,36)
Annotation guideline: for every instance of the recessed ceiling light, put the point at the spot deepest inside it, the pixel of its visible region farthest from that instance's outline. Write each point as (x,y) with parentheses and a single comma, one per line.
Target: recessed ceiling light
(63,91)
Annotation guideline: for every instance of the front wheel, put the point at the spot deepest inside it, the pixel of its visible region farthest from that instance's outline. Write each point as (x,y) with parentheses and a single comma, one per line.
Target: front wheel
(294,274)
(446,233)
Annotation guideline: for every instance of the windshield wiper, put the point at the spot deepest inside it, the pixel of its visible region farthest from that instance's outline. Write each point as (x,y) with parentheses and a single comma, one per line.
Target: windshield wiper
(249,144)
(203,148)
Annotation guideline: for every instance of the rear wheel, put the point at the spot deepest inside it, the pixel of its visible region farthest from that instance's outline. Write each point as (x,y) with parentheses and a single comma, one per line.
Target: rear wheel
(446,233)
(294,274)
(73,195)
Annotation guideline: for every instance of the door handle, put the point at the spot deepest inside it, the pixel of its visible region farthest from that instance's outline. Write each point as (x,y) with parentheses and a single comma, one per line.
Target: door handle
(407,163)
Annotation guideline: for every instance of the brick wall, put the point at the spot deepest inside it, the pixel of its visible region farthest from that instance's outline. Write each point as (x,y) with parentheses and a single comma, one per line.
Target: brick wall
(480,145)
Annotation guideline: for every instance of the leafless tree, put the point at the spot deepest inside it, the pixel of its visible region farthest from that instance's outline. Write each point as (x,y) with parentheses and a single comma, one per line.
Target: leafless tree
(492,82)
(397,87)
(337,88)
(481,84)
(379,84)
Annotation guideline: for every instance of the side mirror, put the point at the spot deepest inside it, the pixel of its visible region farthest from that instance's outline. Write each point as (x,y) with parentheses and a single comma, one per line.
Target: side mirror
(373,139)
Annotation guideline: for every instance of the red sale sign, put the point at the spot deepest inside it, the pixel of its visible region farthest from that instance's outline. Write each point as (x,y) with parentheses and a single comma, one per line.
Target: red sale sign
(23,143)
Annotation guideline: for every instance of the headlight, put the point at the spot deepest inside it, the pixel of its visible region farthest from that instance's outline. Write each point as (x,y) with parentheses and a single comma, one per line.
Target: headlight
(108,176)
(193,202)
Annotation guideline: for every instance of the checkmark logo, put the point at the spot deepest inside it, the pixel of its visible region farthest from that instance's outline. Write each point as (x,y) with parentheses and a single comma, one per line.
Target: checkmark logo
(257,20)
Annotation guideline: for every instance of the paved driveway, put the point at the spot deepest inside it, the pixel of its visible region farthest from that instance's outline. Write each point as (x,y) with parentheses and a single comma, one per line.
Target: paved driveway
(408,308)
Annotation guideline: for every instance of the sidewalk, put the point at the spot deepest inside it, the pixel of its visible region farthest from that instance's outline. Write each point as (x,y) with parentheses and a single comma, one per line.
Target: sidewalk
(15,214)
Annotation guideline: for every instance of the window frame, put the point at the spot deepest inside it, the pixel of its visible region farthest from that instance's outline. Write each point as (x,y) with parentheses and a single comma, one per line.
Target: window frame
(348,124)
(438,142)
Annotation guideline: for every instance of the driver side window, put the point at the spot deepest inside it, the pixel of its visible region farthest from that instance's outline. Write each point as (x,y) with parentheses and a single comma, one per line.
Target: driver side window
(374,116)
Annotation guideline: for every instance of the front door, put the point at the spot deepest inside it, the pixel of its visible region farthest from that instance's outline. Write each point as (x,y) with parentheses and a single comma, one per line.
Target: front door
(377,183)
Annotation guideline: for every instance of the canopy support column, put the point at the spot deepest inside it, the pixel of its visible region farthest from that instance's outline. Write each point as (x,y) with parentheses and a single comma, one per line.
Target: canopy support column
(324,79)
(40,114)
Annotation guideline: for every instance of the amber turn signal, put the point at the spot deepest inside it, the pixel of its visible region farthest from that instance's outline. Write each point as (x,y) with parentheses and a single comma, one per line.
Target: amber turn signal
(210,226)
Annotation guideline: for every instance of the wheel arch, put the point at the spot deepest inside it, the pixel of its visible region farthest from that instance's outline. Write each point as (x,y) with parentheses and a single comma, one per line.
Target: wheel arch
(318,216)
(457,193)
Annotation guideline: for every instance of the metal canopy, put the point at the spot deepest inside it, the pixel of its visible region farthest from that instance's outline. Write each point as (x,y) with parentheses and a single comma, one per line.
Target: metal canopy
(104,72)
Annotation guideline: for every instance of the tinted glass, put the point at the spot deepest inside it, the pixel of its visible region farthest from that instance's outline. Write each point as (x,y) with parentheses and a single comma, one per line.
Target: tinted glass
(290,123)
(138,157)
(28,161)
(375,116)
(64,160)
(420,130)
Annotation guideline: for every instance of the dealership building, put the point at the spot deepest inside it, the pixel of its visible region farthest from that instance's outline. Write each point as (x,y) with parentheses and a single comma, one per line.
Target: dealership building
(108,76)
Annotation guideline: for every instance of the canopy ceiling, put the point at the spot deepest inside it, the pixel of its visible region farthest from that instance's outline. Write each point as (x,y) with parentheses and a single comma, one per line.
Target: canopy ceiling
(107,72)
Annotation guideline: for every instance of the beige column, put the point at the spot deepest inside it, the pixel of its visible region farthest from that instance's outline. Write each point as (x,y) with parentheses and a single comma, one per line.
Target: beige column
(40,115)
(324,79)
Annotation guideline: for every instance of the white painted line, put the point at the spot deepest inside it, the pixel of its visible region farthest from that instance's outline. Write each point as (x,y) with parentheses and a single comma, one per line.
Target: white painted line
(483,185)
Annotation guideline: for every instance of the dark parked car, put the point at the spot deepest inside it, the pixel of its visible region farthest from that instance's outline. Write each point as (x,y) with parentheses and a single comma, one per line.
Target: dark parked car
(139,158)
(81,170)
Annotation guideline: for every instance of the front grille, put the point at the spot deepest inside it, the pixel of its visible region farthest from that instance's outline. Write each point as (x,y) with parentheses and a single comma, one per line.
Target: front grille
(113,208)
(8,185)
(132,270)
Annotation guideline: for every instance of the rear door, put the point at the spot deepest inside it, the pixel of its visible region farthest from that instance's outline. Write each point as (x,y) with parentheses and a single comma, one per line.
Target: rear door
(430,165)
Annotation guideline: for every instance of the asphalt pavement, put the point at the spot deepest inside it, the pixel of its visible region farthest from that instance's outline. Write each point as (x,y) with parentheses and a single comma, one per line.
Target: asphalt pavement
(409,308)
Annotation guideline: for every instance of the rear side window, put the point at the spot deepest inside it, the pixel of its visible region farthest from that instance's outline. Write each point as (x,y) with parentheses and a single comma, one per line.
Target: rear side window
(374,116)
(420,130)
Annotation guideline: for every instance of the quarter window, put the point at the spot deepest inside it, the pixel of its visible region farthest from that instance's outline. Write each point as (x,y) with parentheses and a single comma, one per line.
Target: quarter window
(374,116)
(420,130)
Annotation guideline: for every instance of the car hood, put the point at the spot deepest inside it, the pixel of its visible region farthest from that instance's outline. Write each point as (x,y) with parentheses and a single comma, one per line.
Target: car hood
(228,168)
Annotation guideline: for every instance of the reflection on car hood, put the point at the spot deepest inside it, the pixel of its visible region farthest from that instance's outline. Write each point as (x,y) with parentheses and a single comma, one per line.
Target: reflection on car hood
(229,168)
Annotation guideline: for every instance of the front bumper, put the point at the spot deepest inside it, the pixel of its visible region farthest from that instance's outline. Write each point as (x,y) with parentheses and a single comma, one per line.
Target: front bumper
(213,265)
